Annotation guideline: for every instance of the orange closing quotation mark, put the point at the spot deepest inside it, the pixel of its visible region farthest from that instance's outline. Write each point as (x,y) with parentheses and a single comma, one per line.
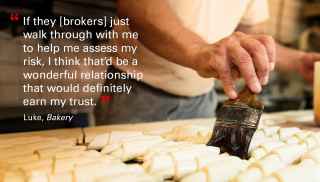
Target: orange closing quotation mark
(105,98)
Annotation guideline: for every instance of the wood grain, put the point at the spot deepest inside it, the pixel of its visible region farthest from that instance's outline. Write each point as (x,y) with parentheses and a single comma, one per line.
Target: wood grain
(316,92)
(301,119)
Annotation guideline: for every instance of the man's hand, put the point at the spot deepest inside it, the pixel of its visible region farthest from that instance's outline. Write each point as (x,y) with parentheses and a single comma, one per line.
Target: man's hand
(239,55)
(249,56)
(305,65)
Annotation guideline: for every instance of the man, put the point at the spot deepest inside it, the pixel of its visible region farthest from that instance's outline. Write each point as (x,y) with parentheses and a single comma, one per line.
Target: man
(184,45)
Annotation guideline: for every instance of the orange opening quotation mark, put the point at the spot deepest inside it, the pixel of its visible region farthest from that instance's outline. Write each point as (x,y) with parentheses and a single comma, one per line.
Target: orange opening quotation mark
(14,16)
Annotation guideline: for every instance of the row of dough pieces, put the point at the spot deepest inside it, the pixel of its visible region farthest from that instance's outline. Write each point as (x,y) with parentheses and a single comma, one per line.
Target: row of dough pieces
(171,159)
(198,133)
(202,134)
(120,144)
(180,158)
(274,167)
(167,159)
(272,149)
(267,139)
(270,137)
(39,159)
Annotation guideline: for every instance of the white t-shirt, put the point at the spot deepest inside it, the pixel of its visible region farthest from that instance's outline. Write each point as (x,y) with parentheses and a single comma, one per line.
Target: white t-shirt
(212,20)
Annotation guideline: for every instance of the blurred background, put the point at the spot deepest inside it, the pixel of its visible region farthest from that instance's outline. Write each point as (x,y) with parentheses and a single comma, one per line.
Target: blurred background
(295,23)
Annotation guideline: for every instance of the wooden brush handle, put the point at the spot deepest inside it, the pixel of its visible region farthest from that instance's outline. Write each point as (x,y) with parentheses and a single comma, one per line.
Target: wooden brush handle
(246,96)
(316,93)
(249,98)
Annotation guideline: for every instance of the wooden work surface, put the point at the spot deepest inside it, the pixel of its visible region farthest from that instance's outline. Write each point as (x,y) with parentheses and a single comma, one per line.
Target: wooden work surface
(301,119)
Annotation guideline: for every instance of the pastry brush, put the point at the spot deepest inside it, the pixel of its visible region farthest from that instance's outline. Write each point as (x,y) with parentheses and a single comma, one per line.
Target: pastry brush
(237,120)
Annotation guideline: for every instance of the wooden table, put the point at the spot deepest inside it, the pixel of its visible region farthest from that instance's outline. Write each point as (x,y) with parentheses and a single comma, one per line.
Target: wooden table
(301,119)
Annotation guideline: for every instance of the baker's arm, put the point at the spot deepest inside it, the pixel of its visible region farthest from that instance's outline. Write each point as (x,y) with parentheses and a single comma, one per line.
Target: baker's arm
(160,30)
(288,59)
